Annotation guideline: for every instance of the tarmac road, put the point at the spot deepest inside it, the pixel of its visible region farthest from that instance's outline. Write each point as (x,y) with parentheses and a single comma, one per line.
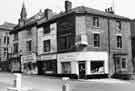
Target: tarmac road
(42,83)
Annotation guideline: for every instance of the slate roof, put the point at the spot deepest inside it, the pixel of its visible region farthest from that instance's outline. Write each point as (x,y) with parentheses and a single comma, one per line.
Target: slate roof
(83,9)
(7,26)
(78,10)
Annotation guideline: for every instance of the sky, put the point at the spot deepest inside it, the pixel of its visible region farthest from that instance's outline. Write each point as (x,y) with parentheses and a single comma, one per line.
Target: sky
(10,9)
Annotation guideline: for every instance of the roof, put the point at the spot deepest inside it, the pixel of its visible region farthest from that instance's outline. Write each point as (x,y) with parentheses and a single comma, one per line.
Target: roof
(32,20)
(40,19)
(82,10)
(7,26)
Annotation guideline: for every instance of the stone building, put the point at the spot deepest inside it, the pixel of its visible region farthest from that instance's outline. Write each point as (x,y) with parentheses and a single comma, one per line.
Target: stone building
(133,42)
(24,45)
(81,40)
(89,41)
(4,44)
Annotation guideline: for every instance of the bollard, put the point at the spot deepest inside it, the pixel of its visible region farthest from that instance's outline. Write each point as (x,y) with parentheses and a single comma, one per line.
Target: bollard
(65,86)
(18,80)
(17,84)
(14,83)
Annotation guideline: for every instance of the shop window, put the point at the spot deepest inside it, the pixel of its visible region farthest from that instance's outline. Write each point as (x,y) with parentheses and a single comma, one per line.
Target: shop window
(66,67)
(123,63)
(96,40)
(96,21)
(97,67)
(119,41)
(49,66)
(46,45)
(29,45)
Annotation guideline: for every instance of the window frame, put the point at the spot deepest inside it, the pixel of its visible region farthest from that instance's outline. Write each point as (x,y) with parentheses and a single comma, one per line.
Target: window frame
(119,25)
(16,36)
(46,27)
(63,69)
(119,41)
(95,21)
(29,45)
(66,41)
(125,64)
(96,41)
(15,47)
(47,45)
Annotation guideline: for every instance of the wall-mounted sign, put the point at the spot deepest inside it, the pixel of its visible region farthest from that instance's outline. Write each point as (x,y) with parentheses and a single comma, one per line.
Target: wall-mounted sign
(28,58)
(48,57)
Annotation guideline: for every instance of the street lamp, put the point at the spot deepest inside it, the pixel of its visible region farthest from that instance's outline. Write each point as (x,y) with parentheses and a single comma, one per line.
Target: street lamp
(20,62)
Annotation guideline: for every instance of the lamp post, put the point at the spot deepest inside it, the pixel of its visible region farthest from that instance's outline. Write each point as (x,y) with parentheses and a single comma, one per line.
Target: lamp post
(20,61)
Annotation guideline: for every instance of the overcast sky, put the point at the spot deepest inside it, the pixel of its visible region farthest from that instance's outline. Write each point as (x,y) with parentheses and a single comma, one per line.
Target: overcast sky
(10,9)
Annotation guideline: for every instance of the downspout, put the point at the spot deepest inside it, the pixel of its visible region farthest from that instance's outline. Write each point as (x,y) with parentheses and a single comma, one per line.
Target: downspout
(108,21)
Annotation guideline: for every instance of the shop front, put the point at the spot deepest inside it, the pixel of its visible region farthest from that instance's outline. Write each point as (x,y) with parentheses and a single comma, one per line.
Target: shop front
(83,63)
(15,63)
(120,63)
(29,65)
(47,64)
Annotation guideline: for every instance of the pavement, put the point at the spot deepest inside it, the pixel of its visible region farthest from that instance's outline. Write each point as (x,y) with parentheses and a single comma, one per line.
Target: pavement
(44,83)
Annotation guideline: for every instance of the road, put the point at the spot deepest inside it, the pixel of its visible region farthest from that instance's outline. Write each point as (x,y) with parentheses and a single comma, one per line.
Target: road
(42,83)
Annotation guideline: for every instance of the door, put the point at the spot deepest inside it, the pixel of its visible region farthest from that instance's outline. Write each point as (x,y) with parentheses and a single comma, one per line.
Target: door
(82,69)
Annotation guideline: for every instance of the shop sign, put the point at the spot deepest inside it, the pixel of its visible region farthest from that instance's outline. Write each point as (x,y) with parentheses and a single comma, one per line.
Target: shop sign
(29,58)
(48,57)
(82,56)
(68,57)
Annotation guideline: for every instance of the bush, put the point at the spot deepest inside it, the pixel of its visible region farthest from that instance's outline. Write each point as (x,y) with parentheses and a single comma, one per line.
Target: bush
(122,76)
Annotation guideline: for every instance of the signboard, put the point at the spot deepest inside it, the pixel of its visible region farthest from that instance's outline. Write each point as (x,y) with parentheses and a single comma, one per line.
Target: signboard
(29,58)
(76,56)
(48,57)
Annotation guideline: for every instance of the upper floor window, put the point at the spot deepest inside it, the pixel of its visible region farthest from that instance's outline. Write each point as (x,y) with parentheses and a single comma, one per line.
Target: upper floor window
(118,24)
(29,31)
(66,41)
(96,40)
(46,29)
(0,42)
(5,51)
(29,45)
(16,36)
(119,41)
(46,45)
(5,38)
(96,21)
(15,48)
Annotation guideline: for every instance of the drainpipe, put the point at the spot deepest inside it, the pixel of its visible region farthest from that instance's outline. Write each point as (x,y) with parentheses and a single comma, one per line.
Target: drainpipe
(108,21)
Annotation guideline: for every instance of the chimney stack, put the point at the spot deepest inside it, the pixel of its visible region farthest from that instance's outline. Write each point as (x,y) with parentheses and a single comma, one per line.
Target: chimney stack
(68,6)
(48,13)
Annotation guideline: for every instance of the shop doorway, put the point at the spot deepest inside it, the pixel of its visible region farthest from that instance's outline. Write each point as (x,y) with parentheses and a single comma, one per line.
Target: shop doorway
(82,69)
